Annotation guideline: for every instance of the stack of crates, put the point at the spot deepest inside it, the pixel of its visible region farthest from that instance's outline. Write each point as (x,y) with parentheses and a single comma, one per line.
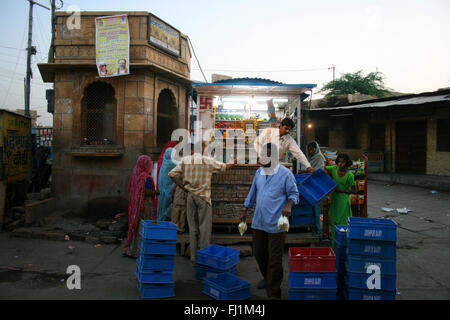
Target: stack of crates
(216,265)
(312,274)
(156,258)
(302,214)
(312,189)
(340,250)
(371,259)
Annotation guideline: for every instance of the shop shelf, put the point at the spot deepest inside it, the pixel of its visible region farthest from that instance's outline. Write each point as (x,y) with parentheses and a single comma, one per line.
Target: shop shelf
(148,276)
(314,187)
(155,262)
(382,249)
(207,272)
(218,257)
(312,260)
(315,294)
(359,281)
(360,264)
(301,220)
(372,229)
(159,247)
(340,235)
(359,294)
(162,230)
(156,291)
(226,287)
(312,280)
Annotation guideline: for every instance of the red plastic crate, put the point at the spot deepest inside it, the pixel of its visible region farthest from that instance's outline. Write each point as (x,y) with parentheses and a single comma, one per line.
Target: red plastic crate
(312,260)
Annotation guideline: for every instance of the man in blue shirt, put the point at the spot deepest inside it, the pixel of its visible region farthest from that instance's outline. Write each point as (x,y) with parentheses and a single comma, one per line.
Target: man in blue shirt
(275,192)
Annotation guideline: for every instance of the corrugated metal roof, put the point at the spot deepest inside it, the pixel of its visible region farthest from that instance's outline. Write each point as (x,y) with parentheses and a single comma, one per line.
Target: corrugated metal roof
(397,102)
(250,86)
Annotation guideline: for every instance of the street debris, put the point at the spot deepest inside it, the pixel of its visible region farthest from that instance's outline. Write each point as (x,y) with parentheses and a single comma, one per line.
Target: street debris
(98,245)
(66,237)
(434,191)
(403,210)
(399,210)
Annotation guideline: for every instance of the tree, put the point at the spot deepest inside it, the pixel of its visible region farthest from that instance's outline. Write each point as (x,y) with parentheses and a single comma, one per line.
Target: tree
(351,83)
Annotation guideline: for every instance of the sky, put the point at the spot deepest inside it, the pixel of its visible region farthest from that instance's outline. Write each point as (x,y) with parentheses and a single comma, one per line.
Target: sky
(291,41)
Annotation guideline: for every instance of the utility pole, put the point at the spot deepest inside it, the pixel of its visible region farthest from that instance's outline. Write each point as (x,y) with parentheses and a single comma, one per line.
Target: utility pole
(334,81)
(51,51)
(30,51)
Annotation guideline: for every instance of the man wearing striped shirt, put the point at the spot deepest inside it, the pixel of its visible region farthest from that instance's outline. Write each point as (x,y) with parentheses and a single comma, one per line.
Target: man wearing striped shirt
(197,170)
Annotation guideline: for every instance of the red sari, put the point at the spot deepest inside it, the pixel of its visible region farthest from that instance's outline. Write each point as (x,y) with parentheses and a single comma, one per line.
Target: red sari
(140,206)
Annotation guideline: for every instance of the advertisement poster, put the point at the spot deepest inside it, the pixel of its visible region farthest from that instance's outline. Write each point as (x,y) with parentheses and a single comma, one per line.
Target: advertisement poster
(112,46)
(164,36)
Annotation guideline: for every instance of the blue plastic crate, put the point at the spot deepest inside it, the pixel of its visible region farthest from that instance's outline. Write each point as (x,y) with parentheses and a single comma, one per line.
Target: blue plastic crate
(218,257)
(226,287)
(360,264)
(162,230)
(382,249)
(312,294)
(155,262)
(159,247)
(207,272)
(372,229)
(149,276)
(302,201)
(156,291)
(340,237)
(314,187)
(359,281)
(359,294)
(302,210)
(341,267)
(312,280)
(301,220)
(340,252)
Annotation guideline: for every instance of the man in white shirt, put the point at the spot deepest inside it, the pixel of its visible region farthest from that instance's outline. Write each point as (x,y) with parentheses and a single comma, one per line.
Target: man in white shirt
(281,138)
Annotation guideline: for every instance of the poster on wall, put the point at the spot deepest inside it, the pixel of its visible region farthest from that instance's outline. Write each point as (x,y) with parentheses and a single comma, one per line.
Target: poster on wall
(164,36)
(112,46)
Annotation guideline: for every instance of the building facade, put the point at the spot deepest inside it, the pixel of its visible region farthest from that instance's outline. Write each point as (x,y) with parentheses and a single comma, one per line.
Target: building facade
(410,134)
(102,125)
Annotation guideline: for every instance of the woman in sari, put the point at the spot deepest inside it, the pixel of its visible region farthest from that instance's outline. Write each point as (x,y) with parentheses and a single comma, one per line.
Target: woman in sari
(165,185)
(141,205)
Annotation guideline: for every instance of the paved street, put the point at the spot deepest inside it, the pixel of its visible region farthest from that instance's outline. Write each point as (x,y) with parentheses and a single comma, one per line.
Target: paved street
(36,269)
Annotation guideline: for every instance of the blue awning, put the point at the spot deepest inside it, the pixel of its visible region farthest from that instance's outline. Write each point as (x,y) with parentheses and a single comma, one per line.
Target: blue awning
(250,86)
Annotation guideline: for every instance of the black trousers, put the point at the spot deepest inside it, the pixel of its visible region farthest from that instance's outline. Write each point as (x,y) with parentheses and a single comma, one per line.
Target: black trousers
(268,250)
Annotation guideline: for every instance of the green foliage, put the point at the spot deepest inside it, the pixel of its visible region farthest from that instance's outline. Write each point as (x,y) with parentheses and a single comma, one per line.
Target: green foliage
(351,83)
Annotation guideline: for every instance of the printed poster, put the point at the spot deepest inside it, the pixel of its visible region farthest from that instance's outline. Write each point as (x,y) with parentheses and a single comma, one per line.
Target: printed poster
(112,46)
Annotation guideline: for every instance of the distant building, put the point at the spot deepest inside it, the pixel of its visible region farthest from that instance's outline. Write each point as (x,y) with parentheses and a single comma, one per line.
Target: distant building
(413,130)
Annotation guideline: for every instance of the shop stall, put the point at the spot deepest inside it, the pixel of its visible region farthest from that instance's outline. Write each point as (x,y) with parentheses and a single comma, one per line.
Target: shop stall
(237,110)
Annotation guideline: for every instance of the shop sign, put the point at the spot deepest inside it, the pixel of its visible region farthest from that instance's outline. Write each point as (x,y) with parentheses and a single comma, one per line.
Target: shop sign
(164,36)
